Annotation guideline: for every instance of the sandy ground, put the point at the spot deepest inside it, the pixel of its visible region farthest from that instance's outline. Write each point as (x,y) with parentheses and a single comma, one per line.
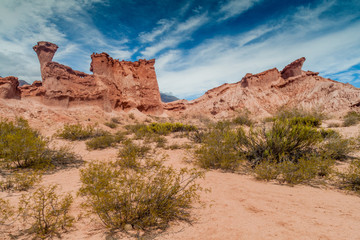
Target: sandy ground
(238,206)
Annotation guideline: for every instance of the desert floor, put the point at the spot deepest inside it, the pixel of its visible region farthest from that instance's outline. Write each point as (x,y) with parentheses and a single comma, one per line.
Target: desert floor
(238,206)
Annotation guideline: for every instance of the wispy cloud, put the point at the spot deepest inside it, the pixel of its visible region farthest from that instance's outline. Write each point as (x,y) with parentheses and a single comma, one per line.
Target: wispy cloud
(228,59)
(180,32)
(234,8)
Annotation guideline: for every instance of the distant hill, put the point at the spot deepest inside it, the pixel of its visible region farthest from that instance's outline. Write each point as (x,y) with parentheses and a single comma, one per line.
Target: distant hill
(23,82)
(165,97)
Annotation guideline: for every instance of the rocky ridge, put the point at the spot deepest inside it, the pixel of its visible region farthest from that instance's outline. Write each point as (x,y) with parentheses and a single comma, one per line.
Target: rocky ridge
(124,85)
(264,93)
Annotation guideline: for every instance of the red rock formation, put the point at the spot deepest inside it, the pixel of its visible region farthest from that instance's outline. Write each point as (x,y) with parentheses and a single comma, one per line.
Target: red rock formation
(131,84)
(114,85)
(293,69)
(264,93)
(9,87)
(45,52)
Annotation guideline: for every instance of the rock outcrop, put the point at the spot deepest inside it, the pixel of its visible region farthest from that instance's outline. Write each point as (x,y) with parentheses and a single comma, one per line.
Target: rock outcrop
(264,93)
(9,87)
(114,84)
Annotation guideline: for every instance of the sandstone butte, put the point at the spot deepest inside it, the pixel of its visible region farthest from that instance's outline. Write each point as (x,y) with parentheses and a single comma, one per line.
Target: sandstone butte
(124,85)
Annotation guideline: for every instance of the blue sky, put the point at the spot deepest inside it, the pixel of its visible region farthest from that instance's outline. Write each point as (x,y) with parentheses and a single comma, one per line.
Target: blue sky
(197,44)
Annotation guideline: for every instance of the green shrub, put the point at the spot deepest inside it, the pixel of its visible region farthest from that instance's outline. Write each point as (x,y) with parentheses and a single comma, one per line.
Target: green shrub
(130,153)
(243,119)
(45,212)
(284,113)
(198,136)
(266,170)
(351,178)
(284,141)
(336,147)
(63,157)
(219,148)
(142,130)
(21,146)
(79,132)
(115,120)
(20,181)
(103,142)
(145,200)
(110,125)
(302,171)
(351,118)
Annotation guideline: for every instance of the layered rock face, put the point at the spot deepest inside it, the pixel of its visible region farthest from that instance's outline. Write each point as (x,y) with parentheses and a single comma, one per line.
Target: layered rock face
(114,84)
(9,87)
(264,93)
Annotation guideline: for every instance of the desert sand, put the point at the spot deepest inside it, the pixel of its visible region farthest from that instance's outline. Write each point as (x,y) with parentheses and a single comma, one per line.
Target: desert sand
(238,206)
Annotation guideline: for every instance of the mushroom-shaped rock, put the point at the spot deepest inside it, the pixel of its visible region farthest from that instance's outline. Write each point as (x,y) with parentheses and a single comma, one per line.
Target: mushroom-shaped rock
(45,52)
(293,69)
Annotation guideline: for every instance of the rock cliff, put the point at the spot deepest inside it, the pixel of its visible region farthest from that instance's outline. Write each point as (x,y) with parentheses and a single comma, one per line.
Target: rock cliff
(114,84)
(264,93)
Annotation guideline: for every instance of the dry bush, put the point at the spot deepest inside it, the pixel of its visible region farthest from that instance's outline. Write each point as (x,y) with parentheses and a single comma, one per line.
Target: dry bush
(20,180)
(45,212)
(75,132)
(146,198)
(219,148)
(351,118)
(130,153)
(351,178)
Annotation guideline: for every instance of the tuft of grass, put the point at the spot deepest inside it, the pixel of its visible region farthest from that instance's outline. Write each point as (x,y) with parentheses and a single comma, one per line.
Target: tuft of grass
(7,212)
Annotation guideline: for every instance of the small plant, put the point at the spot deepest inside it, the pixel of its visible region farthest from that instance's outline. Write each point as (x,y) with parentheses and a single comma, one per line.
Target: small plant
(63,157)
(160,141)
(266,170)
(130,153)
(132,116)
(115,120)
(103,142)
(45,212)
(350,180)
(20,181)
(351,118)
(146,199)
(80,132)
(110,125)
(336,147)
(142,130)
(219,148)
(21,146)
(284,141)
(333,125)
(243,119)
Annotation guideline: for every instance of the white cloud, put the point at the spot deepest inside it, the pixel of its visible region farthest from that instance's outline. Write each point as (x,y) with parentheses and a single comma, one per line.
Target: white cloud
(181,32)
(228,59)
(235,7)
(164,25)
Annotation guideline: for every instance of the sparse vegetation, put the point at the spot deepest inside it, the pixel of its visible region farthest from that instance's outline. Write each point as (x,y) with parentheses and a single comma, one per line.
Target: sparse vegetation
(110,124)
(351,118)
(130,153)
(243,118)
(105,141)
(20,181)
(45,212)
(6,212)
(141,130)
(219,148)
(350,179)
(79,132)
(144,199)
